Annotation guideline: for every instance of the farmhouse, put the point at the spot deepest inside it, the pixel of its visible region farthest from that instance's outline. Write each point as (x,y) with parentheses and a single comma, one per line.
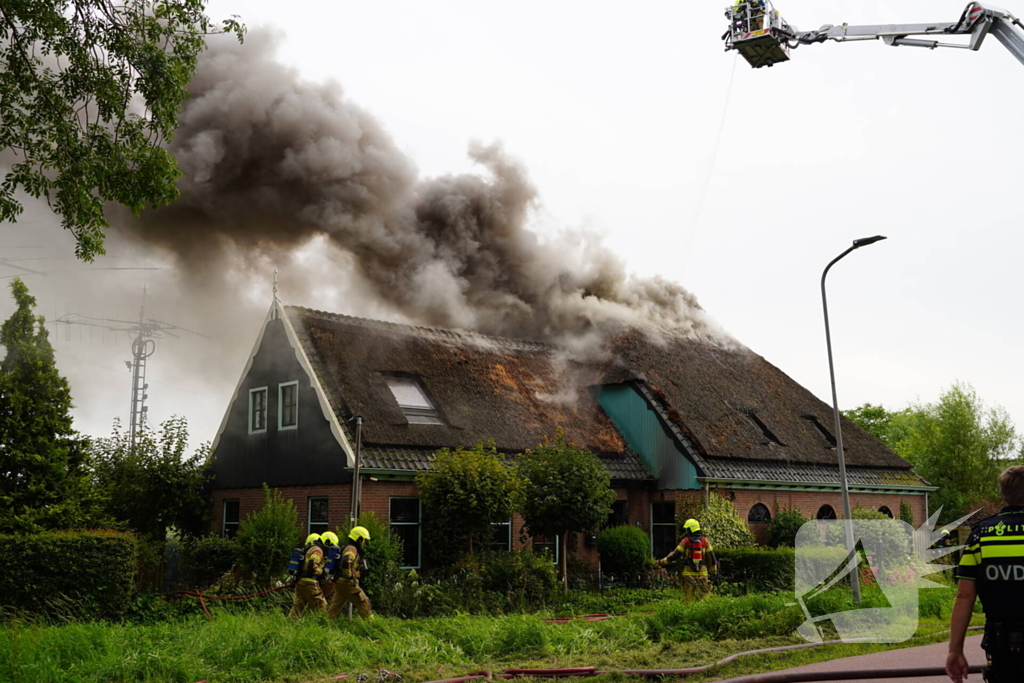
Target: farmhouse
(667,415)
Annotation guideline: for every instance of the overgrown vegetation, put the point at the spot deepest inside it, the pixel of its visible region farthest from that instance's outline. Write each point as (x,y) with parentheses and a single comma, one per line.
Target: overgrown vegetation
(784,526)
(240,645)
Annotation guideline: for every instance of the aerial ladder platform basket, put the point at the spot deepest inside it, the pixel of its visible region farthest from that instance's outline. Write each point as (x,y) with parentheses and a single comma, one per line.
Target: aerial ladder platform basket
(759,33)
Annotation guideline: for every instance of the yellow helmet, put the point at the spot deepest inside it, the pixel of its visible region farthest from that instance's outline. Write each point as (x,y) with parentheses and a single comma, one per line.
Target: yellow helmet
(329,538)
(691,525)
(359,532)
(312,538)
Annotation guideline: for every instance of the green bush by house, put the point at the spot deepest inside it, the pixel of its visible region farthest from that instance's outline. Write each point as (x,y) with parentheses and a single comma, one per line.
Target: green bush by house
(67,574)
(758,569)
(624,549)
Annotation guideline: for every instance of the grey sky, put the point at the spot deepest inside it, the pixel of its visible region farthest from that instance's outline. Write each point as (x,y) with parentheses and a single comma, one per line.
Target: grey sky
(615,110)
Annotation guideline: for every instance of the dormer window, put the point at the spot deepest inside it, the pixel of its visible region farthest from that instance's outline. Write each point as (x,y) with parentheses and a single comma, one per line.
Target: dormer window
(820,428)
(413,401)
(763,428)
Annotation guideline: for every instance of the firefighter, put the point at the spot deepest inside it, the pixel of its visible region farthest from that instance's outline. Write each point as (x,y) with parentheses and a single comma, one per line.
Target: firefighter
(755,12)
(696,558)
(307,588)
(330,540)
(992,569)
(350,568)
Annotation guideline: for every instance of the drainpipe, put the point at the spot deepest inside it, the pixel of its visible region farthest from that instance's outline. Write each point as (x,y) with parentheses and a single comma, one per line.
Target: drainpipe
(927,512)
(356,483)
(707,496)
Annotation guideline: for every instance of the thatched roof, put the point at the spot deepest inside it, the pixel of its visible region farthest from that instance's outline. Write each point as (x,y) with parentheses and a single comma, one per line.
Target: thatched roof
(732,403)
(728,404)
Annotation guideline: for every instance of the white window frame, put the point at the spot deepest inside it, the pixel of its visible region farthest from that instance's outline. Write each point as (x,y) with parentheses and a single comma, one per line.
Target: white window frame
(266,409)
(558,548)
(417,524)
(309,514)
(415,415)
(224,516)
(281,427)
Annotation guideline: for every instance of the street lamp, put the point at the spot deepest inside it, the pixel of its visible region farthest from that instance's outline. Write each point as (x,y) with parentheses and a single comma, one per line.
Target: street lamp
(847,521)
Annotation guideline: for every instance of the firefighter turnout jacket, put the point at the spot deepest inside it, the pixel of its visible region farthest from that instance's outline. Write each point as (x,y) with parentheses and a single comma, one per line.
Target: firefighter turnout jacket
(695,555)
(312,564)
(349,564)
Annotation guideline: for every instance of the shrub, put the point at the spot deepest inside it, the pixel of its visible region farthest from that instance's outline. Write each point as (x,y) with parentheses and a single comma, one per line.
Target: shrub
(67,574)
(524,579)
(266,537)
(784,526)
(758,569)
(383,554)
(624,549)
(719,521)
(205,560)
(886,537)
(906,512)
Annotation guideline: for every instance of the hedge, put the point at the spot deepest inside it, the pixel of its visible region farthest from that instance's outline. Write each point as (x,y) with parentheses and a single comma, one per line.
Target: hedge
(759,570)
(67,574)
(624,549)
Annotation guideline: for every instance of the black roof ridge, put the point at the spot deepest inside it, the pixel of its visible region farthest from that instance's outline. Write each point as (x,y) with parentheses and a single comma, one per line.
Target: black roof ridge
(421,330)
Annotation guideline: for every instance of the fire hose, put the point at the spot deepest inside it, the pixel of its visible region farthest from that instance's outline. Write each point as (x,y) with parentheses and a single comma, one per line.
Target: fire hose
(777,677)
(203,598)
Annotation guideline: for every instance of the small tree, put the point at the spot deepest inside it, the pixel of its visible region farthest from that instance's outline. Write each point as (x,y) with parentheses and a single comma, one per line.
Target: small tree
(154,485)
(565,490)
(718,521)
(624,549)
(466,491)
(44,477)
(266,537)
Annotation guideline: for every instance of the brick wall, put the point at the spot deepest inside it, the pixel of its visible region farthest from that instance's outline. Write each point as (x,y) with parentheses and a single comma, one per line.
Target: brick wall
(808,502)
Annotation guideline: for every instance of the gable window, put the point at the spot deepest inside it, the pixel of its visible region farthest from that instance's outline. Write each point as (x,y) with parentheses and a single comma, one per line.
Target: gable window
(317,523)
(257,410)
(502,540)
(826,512)
(405,523)
(413,400)
(231,518)
(820,428)
(663,528)
(759,514)
(288,405)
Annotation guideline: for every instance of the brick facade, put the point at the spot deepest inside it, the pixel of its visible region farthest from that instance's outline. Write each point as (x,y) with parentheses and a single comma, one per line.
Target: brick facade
(376,497)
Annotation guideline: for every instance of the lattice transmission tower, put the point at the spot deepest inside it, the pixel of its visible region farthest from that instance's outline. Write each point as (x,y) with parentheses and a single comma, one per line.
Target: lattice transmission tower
(142,333)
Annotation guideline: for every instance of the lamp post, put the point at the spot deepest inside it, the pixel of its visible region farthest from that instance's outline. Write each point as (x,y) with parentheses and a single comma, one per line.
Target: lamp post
(847,521)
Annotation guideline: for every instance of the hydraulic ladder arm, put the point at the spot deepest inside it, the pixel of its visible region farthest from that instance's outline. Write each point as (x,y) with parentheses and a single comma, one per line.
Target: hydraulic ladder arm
(976,22)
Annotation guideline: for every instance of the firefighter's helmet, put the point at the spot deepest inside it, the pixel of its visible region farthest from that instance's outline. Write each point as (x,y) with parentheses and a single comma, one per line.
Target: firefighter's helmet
(691,525)
(312,538)
(329,538)
(359,532)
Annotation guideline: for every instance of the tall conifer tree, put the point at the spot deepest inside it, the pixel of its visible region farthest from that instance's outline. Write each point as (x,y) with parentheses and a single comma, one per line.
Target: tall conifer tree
(43,461)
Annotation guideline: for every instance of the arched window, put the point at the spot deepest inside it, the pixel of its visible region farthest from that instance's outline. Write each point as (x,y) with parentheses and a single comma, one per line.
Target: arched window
(885,511)
(759,514)
(826,512)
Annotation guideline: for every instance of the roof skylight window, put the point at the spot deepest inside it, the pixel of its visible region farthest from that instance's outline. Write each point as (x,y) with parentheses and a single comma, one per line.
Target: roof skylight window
(413,400)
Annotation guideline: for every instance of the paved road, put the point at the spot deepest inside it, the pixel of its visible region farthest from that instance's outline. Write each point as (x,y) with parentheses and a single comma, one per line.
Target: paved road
(924,655)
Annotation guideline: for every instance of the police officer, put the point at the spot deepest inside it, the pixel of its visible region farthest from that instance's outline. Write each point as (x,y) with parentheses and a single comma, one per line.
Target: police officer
(350,567)
(696,558)
(992,568)
(307,588)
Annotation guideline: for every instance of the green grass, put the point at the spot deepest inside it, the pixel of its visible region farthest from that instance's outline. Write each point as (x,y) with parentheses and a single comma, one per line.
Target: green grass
(249,645)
